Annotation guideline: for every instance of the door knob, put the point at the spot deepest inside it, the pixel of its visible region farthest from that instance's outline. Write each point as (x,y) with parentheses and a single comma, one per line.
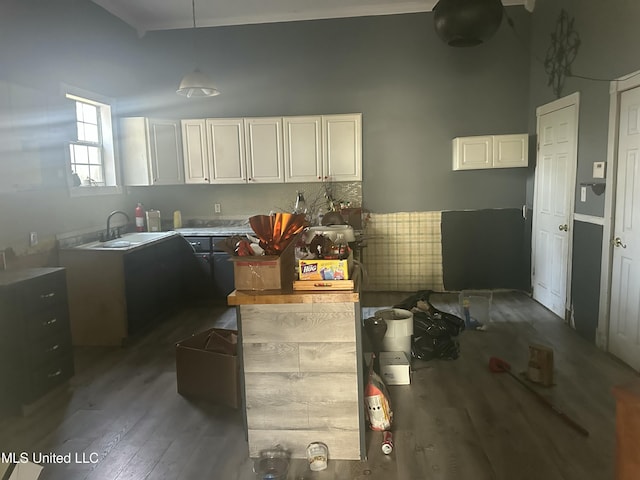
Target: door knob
(563,228)
(617,242)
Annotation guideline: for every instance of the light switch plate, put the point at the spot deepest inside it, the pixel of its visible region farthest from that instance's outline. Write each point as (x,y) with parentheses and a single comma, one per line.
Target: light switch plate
(583,194)
(598,169)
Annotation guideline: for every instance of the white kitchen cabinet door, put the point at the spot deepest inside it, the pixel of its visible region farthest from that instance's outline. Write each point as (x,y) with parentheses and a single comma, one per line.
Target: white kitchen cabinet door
(265,162)
(490,151)
(226,149)
(303,149)
(510,151)
(470,153)
(342,147)
(151,151)
(196,155)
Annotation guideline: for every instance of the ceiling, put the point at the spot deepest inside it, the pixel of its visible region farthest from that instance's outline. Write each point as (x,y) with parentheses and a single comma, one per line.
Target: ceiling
(146,15)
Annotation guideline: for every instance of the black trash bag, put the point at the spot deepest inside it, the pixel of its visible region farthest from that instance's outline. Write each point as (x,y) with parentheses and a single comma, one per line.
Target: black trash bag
(426,347)
(454,324)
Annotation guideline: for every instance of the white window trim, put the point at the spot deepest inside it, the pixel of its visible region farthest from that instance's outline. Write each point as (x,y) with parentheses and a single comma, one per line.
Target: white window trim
(110,153)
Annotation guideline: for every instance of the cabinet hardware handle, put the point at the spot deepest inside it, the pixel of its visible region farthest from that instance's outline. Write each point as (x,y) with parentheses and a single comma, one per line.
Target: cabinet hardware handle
(48,295)
(54,348)
(55,374)
(49,322)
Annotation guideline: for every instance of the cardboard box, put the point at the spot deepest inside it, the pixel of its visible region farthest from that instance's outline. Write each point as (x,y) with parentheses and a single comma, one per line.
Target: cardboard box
(540,368)
(266,272)
(323,269)
(207,367)
(395,368)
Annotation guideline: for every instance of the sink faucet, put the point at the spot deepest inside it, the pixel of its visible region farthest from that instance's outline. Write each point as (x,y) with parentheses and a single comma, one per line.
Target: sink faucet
(108,235)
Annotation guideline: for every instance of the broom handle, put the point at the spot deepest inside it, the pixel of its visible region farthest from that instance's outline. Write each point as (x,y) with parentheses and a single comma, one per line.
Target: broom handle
(555,409)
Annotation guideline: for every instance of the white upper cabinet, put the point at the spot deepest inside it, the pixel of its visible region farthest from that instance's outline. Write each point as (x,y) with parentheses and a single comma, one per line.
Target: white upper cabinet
(273,149)
(151,151)
(196,157)
(303,149)
(226,150)
(511,151)
(342,147)
(490,151)
(263,137)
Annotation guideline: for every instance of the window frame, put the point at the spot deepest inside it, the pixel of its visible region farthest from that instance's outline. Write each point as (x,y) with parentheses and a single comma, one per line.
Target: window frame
(107,131)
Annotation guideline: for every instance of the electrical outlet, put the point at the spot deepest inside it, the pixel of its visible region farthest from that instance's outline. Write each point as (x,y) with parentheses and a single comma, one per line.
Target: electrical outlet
(33,239)
(216,208)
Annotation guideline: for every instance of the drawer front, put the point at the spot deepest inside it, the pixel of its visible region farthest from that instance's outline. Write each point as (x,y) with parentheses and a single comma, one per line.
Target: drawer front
(50,349)
(45,323)
(44,292)
(200,244)
(47,377)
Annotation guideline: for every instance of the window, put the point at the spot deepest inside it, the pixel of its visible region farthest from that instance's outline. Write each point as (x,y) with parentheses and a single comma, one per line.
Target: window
(91,150)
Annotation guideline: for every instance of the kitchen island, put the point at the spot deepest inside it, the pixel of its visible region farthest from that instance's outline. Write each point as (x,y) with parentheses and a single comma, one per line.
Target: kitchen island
(302,371)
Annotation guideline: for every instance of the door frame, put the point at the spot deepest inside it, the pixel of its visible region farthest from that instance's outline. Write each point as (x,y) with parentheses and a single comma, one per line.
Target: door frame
(616,88)
(567,101)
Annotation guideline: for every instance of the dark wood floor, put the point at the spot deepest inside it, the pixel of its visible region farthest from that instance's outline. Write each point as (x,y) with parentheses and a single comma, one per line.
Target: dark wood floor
(457,421)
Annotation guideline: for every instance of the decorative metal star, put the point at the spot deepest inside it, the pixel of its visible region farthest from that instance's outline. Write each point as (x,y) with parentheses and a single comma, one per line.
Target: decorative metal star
(563,50)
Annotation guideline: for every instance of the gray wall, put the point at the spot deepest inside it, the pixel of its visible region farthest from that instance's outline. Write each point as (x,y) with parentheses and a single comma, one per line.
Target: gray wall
(415,94)
(608,31)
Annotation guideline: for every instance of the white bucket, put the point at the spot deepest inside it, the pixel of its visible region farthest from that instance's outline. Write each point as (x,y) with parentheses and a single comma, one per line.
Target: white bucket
(399,330)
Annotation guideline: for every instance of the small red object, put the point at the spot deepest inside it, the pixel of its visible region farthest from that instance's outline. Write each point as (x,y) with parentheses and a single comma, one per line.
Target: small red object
(387,442)
(139,218)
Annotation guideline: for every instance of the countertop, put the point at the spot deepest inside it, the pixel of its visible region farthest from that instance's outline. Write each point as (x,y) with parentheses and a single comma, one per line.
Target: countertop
(8,277)
(127,243)
(271,297)
(221,231)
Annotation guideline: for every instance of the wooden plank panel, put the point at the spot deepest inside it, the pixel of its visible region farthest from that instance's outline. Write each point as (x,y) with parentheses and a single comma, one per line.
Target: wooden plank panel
(342,445)
(328,357)
(271,357)
(298,327)
(267,388)
(303,415)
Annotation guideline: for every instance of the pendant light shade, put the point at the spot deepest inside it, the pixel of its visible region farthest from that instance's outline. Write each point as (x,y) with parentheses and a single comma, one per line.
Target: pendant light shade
(467,23)
(196,83)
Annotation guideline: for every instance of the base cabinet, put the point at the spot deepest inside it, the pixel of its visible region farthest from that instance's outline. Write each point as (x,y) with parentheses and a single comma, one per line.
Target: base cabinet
(35,337)
(114,295)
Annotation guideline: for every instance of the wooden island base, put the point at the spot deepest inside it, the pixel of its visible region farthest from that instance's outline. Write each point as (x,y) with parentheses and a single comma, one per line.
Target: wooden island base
(301,371)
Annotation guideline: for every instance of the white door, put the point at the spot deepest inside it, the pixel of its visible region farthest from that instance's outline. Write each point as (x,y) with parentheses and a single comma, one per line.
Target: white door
(196,157)
(553,203)
(624,329)
(166,152)
(265,162)
(342,147)
(302,149)
(225,143)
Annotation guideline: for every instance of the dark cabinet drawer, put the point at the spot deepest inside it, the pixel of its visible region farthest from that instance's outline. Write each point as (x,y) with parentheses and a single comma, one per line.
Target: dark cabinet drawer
(45,323)
(41,380)
(44,292)
(50,349)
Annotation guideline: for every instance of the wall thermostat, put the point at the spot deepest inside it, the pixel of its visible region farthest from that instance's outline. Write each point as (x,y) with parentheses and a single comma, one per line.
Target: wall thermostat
(598,169)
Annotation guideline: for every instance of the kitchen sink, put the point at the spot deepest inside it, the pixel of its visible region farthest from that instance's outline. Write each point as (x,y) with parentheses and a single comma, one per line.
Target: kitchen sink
(127,241)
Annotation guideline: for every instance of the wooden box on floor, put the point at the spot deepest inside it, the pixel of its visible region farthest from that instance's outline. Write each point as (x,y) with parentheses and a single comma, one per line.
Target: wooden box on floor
(207,367)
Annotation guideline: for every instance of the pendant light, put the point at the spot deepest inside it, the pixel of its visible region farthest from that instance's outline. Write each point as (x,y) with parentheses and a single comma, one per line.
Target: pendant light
(196,83)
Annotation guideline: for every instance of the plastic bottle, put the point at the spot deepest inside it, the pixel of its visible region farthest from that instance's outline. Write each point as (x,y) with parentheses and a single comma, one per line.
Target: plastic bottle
(177,219)
(320,216)
(301,203)
(139,218)
(342,249)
